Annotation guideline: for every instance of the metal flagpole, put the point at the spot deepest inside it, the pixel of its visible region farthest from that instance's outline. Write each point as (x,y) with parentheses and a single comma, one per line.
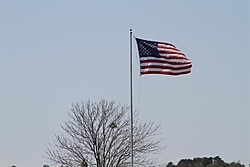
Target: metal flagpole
(131,100)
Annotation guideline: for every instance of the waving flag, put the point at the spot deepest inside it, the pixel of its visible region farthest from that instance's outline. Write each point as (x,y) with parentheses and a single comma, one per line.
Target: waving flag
(162,58)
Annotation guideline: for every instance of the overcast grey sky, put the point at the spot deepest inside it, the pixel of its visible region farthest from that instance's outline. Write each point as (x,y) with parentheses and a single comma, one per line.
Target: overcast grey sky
(54,53)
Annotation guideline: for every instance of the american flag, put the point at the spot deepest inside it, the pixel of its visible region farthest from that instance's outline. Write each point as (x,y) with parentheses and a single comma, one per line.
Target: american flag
(162,58)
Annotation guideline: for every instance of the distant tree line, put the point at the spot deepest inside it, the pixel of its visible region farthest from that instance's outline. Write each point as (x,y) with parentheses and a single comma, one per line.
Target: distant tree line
(205,162)
(196,162)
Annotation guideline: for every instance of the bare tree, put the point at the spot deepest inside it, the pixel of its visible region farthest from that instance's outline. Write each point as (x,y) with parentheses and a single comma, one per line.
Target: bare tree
(98,135)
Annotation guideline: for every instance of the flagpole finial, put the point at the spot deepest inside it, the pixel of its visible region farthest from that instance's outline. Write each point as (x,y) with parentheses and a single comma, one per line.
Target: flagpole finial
(130,29)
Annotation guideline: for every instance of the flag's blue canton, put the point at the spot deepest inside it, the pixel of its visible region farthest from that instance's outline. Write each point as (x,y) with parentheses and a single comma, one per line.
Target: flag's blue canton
(147,48)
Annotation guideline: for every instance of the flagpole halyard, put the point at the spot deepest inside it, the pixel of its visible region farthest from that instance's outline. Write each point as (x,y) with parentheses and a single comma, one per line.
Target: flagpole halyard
(131,100)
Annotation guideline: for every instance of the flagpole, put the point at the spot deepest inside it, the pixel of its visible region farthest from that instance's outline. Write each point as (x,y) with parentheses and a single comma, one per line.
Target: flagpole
(131,100)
